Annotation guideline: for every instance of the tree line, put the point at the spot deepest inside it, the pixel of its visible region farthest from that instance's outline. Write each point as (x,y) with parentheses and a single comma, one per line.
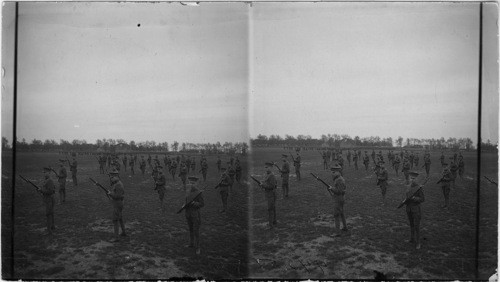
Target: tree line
(344,140)
(112,145)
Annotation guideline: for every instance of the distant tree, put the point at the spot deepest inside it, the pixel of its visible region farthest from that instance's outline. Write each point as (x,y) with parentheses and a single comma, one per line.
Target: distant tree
(175,146)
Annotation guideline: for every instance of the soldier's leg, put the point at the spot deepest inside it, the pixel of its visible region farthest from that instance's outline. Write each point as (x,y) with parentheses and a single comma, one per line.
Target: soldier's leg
(412,227)
(191,231)
(417,216)
(298,173)
(122,225)
(116,227)
(196,234)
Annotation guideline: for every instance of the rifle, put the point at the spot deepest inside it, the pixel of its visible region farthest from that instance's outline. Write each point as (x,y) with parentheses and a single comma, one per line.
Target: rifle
(256,180)
(292,157)
(189,203)
(491,181)
(321,180)
(37,188)
(278,168)
(404,202)
(54,172)
(102,187)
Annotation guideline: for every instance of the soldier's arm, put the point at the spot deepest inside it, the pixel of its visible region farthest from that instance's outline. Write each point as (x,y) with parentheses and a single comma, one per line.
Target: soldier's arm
(117,193)
(419,197)
(199,202)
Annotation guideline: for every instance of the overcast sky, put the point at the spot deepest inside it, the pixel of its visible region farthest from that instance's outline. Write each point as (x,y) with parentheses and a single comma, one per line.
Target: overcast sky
(369,69)
(89,71)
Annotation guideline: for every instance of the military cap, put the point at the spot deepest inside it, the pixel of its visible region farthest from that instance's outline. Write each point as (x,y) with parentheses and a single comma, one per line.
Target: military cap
(269,163)
(413,173)
(336,167)
(284,156)
(193,178)
(113,172)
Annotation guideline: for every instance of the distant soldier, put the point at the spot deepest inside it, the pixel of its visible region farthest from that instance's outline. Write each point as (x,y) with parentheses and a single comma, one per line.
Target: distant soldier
(117,194)
(165,161)
(131,164)
(406,170)
(224,183)
(125,163)
(149,160)
(142,165)
(442,158)
(340,161)
(183,174)
(325,160)
(427,163)
(160,183)
(455,157)
(382,177)
(285,175)
(454,171)
(61,179)
(194,202)
(193,163)
(188,164)
(349,157)
(373,156)
(157,160)
(48,190)
(219,163)
(232,173)
(102,163)
(366,160)
(168,163)
(338,189)
(416,197)
(416,159)
(73,169)
(204,169)
(411,160)
(355,160)
(109,160)
(445,180)
(269,185)
(238,170)
(155,171)
(237,160)
(296,164)
(359,154)
(173,169)
(396,163)
(461,167)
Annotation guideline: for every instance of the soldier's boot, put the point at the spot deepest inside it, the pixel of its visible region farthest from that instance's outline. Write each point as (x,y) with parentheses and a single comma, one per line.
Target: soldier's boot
(122,225)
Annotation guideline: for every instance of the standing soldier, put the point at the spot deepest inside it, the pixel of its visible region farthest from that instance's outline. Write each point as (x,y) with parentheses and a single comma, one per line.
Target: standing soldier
(124,162)
(61,178)
(325,160)
(219,162)
(204,169)
(411,160)
(416,159)
(453,170)
(149,160)
(155,171)
(382,179)
(48,191)
(193,164)
(445,180)
(406,170)
(349,157)
(415,197)
(131,164)
(194,202)
(109,160)
(338,190)
(461,166)
(427,163)
(168,164)
(340,161)
(373,156)
(355,160)
(269,185)
(238,170)
(173,169)
(455,157)
(142,165)
(442,158)
(117,193)
(183,174)
(188,164)
(285,175)
(366,160)
(178,159)
(396,163)
(165,161)
(102,163)
(359,154)
(223,185)
(296,164)
(73,169)
(232,173)
(160,183)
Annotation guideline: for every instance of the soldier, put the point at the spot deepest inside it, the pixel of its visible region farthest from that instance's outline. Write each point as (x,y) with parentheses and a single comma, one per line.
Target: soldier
(188,164)
(359,154)
(102,163)
(224,183)
(219,162)
(373,156)
(173,169)
(396,163)
(193,164)
(366,160)
(204,169)
(349,157)
(131,164)
(411,160)
(238,170)
(355,160)
(73,169)
(416,159)
(442,158)
(149,160)
(48,191)
(453,170)
(427,163)
(142,165)
(406,170)
(61,178)
(155,171)
(296,164)
(382,180)
(285,175)
(194,202)
(461,166)
(178,159)
(168,163)
(269,185)
(455,157)
(165,160)
(341,164)
(416,197)
(109,160)
(160,183)
(232,173)
(445,180)
(183,174)
(325,160)
(124,162)
(338,190)
(116,194)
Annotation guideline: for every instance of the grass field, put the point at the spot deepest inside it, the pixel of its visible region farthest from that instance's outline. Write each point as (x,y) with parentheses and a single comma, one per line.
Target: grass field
(302,245)
(155,247)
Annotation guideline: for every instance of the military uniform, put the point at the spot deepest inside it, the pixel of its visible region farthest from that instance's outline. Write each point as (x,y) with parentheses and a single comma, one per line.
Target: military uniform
(204,169)
(193,216)
(366,161)
(338,190)
(413,210)
(406,170)
(296,164)
(219,163)
(442,158)
(173,169)
(224,183)
(285,176)
(461,167)
(183,174)
(416,159)
(48,191)
(238,169)
(325,160)
(382,181)
(396,163)
(61,179)
(349,157)
(102,163)
(232,173)
(445,181)
(188,164)
(454,171)
(117,194)
(160,186)
(269,184)
(131,164)
(355,160)
(142,165)
(427,163)
(124,163)
(73,169)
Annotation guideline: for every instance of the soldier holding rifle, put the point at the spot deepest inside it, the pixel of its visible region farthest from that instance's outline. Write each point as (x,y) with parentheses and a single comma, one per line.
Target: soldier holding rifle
(61,179)
(204,169)
(355,160)
(48,191)
(73,168)
(296,164)
(224,183)
(285,175)
(269,185)
(338,191)
(194,202)
(366,160)
(427,163)
(117,194)
(445,180)
(414,197)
